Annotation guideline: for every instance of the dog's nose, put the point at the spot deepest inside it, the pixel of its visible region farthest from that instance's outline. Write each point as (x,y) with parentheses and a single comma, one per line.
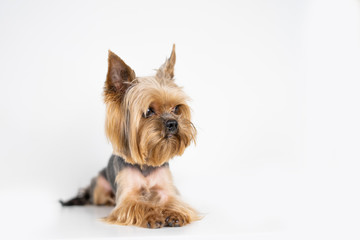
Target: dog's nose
(171,125)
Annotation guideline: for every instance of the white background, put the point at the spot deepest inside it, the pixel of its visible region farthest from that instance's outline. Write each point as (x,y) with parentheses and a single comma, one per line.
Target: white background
(275,89)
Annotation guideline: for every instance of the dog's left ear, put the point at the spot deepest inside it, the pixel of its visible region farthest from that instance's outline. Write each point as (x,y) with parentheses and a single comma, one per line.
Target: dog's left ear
(167,69)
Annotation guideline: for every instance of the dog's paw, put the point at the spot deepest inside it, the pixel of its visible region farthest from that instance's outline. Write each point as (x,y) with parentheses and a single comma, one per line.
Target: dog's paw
(153,220)
(175,219)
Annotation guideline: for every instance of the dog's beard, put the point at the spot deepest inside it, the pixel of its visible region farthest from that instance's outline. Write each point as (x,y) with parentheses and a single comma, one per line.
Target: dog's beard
(156,146)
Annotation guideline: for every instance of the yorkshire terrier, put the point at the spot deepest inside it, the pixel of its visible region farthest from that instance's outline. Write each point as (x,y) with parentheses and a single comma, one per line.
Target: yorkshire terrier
(148,122)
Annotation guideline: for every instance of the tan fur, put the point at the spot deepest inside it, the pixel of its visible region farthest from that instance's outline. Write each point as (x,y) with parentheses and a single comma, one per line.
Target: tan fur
(102,194)
(166,71)
(150,201)
(141,141)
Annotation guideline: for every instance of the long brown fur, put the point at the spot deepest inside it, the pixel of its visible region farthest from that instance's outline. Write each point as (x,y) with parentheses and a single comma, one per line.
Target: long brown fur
(150,201)
(138,140)
(148,205)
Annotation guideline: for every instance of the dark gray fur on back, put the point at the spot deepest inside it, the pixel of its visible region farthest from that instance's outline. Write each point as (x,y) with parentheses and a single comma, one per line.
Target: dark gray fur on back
(117,163)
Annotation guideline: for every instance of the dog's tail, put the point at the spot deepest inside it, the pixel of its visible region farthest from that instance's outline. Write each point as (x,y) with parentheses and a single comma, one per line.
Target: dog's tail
(82,198)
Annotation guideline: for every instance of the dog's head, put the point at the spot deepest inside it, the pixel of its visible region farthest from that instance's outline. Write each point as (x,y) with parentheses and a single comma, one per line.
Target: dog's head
(148,120)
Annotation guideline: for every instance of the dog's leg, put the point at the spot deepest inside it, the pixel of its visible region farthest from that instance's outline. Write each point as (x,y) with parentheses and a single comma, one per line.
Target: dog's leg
(102,193)
(150,201)
(98,193)
(177,213)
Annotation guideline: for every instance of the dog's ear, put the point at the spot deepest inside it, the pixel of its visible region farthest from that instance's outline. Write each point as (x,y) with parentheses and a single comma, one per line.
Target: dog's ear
(167,69)
(119,75)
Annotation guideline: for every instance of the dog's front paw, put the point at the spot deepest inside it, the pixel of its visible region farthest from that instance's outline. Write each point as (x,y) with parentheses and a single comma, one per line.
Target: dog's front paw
(153,220)
(175,219)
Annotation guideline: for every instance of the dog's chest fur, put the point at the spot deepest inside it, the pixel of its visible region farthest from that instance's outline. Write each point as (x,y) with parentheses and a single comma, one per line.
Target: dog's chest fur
(148,180)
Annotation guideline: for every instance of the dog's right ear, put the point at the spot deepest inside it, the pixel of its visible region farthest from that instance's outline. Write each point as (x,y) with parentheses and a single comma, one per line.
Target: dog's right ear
(119,75)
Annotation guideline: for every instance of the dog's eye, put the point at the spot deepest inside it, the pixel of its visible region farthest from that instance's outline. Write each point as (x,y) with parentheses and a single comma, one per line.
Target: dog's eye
(176,109)
(149,112)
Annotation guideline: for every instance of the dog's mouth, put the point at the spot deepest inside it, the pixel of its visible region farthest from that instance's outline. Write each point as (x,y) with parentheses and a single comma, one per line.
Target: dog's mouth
(170,135)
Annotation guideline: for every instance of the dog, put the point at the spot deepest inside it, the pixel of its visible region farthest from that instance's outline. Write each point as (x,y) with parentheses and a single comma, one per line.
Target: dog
(148,122)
